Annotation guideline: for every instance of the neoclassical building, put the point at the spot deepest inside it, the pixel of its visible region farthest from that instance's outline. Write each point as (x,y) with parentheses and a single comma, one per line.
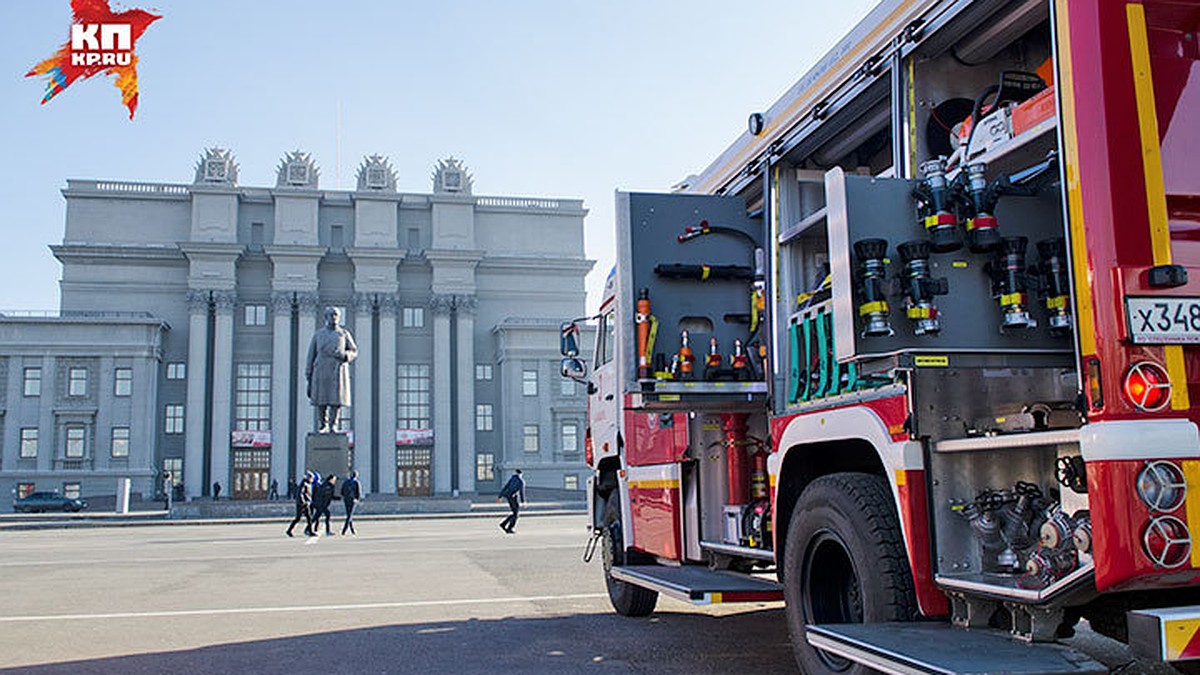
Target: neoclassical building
(188,308)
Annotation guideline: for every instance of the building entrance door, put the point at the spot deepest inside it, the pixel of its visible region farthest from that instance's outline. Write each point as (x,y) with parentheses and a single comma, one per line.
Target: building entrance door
(251,473)
(412,471)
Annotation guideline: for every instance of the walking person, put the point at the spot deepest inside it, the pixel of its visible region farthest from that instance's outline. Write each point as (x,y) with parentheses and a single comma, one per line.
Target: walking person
(514,492)
(168,490)
(303,506)
(351,494)
(323,496)
(291,493)
(274,493)
(216,491)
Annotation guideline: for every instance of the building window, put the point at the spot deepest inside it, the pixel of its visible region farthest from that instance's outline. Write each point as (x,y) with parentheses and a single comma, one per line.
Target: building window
(412,396)
(414,239)
(485,466)
(413,317)
(173,466)
(173,420)
(76,437)
(120,442)
(123,384)
(257,237)
(71,490)
(484,420)
(256,315)
(566,387)
(176,371)
(33,381)
(570,482)
(24,490)
(529,382)
(531,437)
(252,397)
(483,372)
(77,381)
(570,437)
(29,443)
(337,237)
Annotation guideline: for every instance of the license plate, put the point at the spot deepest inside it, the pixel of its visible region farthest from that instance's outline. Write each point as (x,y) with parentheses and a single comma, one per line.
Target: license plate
(1163,320)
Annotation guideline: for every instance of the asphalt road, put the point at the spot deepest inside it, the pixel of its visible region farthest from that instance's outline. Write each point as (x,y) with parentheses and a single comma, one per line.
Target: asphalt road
(427,596)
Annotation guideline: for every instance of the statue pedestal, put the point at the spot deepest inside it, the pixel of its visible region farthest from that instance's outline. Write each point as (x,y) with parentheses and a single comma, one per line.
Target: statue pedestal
(328,454)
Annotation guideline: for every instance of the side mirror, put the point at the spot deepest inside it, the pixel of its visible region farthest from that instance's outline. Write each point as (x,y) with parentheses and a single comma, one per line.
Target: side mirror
(574,369)
(568,340)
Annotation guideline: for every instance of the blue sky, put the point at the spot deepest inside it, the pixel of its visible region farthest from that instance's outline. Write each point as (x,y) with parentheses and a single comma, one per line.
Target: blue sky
(539,98)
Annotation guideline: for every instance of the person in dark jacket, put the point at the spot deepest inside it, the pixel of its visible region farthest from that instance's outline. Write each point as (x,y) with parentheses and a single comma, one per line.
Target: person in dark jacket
(274,492)
(351,494)
(323,496)
(514,492)
(303,506)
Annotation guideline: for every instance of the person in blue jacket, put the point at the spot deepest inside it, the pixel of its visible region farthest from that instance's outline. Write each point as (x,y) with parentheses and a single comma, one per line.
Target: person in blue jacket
(514,492)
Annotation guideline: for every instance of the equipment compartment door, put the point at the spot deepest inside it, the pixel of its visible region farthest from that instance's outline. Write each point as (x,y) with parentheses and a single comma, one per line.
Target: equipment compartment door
(655,508)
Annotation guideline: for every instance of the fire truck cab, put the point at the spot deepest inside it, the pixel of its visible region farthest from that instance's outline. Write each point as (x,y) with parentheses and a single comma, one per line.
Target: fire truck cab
(922,345)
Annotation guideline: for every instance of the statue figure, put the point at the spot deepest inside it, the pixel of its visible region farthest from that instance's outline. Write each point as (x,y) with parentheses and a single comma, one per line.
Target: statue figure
(328,370)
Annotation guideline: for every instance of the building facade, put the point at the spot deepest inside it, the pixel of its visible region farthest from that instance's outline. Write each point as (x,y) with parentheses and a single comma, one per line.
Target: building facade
(453,299)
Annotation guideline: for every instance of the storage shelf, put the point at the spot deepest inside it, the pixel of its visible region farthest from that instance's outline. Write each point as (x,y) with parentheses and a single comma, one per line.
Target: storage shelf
(1005,441)
(1042,131)
(800,227)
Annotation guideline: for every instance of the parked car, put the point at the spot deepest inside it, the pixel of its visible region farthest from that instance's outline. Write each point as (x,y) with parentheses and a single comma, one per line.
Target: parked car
(36,502)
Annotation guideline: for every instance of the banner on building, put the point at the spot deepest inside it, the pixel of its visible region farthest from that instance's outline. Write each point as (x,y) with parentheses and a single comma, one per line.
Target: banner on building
(250,439)
(414,436)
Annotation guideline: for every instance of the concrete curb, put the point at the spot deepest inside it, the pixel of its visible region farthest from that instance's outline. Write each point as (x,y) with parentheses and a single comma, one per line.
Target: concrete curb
(156,519)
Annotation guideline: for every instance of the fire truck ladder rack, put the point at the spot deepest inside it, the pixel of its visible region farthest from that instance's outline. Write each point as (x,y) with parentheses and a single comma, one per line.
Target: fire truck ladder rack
(939,648)
(700,585)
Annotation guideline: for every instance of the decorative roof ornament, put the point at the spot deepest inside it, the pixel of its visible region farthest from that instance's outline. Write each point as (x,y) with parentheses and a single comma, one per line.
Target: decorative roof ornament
(216,167)
(376,174)
(450,176)
(298,170)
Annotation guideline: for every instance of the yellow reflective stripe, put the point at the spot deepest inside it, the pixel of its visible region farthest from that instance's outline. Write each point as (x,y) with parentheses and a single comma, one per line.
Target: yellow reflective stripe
(1177,635)
(868,307)
(1079,261)
(901,478)
(657,484)
(1191,476)
(1143,87)
(1173,355)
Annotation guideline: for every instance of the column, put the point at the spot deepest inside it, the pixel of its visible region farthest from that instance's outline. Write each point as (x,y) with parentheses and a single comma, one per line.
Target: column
(442,306)
(465,418)
(222,390)
(193,422)
(363,375)
(281,385)
(388,306)
(308,306)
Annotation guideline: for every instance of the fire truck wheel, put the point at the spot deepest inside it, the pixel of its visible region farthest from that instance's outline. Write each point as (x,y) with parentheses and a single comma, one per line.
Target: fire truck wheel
(627,599)
(845,563)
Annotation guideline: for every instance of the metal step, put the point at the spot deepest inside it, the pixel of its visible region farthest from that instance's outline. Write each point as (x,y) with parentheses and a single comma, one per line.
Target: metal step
(700,585)
(941,649)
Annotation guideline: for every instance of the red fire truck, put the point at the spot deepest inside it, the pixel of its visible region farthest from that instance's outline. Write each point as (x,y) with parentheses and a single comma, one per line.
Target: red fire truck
(917,354)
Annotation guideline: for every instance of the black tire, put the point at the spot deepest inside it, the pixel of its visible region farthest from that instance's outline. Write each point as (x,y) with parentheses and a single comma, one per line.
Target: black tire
(626,598)
(845,563)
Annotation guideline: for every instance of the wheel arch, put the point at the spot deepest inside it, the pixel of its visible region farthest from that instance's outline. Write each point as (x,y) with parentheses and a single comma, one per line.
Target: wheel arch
(802,464)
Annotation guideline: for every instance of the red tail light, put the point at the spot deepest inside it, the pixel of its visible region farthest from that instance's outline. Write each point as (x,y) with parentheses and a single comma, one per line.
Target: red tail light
(589,451)
(1167,541)
(1147,386)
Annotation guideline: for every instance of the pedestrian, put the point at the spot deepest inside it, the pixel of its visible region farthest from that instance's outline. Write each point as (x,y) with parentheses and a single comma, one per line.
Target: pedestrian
(323,496)
(351,494)
(168,488)
(216,491)
(291,488)
(274,493)
(514,492)
(303,506)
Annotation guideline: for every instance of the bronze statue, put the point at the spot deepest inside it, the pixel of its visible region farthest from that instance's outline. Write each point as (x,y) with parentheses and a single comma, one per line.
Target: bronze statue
(328,370)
